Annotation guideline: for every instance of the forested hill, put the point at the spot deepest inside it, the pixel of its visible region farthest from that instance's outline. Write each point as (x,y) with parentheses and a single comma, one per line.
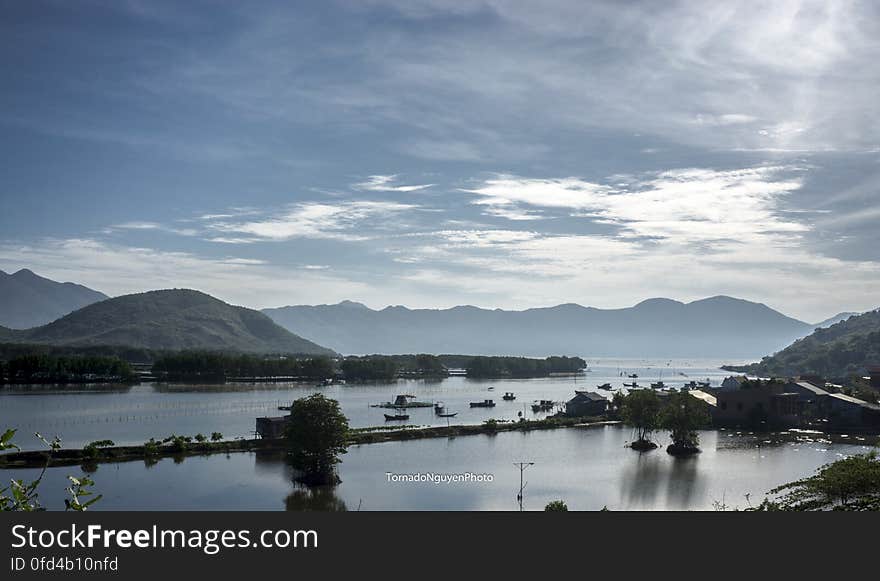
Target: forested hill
(838,351)
(170,320)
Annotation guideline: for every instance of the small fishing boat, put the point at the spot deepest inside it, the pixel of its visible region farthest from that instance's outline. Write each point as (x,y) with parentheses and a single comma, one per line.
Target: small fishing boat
(508,396)
(658,385)
(396,417)
(633,376)
(447,415)
(486,403)
(633,385)
(605,386)
(491,388)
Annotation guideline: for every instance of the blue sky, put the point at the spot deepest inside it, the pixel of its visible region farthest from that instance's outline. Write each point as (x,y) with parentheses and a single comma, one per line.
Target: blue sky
(433,153)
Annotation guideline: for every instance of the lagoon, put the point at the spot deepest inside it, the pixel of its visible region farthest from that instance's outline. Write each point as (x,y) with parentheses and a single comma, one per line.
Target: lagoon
(130,415)
(589,468)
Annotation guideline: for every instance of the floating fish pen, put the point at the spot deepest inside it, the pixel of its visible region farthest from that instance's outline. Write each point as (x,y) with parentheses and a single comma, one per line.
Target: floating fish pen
(544,405)
(403,402)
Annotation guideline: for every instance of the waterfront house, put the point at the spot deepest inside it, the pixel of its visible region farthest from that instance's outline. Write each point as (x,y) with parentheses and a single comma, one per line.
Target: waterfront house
(586,403)
(774,403)
(807,391)
(874,376)
(846,411)
(272,428)
(733,382)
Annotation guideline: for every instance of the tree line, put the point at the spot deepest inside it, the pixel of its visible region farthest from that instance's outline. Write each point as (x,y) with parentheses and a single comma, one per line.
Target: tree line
(208,366)
(522,367)
(42,368)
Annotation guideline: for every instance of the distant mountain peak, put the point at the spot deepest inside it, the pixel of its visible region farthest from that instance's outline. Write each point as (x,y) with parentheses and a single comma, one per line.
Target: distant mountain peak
(658,302)
(353,305)
(836,319)
(171,319)
(30,300)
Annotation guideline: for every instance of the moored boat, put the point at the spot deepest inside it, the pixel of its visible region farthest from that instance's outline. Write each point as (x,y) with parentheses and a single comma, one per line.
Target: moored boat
(395,417)
(508,396)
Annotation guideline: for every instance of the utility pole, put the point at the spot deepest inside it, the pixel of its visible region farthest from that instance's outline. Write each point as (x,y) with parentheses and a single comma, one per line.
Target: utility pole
(522,467)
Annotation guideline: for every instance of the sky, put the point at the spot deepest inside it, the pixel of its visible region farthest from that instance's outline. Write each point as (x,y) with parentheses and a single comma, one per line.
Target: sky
(431,153)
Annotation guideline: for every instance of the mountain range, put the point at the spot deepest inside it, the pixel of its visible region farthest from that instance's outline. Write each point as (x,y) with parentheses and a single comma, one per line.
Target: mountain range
(28,300)
(172,320)
(35,309)
(845,348)
(715,327)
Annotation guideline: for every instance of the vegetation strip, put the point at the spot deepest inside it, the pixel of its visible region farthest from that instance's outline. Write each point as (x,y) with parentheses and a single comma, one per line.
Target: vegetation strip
(72,457)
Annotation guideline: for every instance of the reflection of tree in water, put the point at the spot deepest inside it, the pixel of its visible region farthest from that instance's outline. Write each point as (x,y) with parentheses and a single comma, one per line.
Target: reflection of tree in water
(317,498)
(641,480)
(684,482)
(655,473)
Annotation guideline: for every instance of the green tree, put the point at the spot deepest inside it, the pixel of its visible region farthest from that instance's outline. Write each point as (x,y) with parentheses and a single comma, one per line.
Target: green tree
(556,506)
(317,435)
(849,484)
(683,415)
(641,410)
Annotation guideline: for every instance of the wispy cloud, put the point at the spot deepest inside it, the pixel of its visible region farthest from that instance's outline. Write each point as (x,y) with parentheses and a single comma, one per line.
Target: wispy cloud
(318,220)
(151,226)
(387,183)
(118,269)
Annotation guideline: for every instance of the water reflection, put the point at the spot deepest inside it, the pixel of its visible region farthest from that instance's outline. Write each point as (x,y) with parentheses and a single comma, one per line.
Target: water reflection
(641,479)
(684,482)
(318,498)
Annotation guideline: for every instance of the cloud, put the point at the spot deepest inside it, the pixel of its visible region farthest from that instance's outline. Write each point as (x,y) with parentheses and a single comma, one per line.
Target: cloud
(317,220)
(684,205)
(117,270)
(386,183)
(151,226)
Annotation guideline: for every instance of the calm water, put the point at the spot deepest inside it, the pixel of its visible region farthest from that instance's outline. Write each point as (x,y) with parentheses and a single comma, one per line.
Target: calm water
(132,415)
(587,467)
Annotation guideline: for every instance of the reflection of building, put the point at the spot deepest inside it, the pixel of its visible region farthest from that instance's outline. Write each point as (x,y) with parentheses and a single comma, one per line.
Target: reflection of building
(586,403)
(272,428)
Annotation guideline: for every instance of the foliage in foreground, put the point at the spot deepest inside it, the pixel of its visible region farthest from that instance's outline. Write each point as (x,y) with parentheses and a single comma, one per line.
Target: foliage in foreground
(556,506)
(317,435)
(849,484)
(23,496)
